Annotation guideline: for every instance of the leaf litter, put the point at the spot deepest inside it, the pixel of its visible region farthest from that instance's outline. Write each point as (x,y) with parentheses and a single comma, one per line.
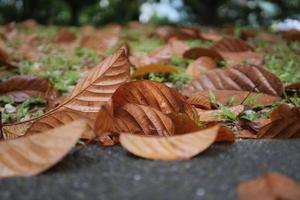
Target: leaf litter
(169,101)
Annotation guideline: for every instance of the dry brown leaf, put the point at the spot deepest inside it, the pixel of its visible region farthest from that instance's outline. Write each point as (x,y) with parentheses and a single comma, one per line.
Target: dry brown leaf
(198,52)
(183,33)
(200,66)
(225,135)
(271,186)
(12,131)
(230,44)
(36,153)
(64,36)
(234,97)
(93,91)
(5,59)
(178,47)
(183,123)
(249,57)
(200,101)
(218,115)
(177,147)
(138,119)
(211,36)
(293,86)
(97,87)
(285,123)
(292,35)
(56,119)
(156,68)
(240,77)
(150,93)
(20,88)
(104,126)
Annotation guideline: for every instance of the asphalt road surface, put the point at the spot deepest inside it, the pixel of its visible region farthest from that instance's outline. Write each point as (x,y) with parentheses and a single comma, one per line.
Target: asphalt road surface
(112,173)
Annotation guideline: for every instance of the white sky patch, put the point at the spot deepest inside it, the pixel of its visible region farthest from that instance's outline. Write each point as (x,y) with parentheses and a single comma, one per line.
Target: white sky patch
(164,9)
(103,3)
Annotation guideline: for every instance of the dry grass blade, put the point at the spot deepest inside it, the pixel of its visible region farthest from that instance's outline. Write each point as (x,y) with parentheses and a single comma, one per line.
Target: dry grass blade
(270,186)
(285,124)
(138,119)
(36,153)
(177,147)
(150,93)
(240,78)
(156,68)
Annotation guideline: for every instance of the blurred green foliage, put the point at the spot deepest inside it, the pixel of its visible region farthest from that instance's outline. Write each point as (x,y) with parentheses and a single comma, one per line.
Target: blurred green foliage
(98,12)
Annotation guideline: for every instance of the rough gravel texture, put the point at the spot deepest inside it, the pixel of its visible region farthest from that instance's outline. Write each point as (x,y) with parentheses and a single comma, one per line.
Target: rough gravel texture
(112,173)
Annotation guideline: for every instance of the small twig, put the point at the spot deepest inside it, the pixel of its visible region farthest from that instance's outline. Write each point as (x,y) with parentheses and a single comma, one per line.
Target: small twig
(255,87)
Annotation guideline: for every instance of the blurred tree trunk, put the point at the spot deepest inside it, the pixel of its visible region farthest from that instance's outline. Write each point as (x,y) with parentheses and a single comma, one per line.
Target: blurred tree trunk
(206,11)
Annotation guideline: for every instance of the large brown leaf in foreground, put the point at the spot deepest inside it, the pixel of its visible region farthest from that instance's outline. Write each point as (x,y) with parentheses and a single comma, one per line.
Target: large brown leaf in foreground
(285,123)
(57,119)
(93,91)
(177,147)
(99,84)
(271,186)
(234,97)
(138,119)
(240,77)
(36,153)
(150,93)
(20,88)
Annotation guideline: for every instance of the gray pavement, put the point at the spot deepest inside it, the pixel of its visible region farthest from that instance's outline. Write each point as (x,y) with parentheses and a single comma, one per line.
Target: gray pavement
(112,173)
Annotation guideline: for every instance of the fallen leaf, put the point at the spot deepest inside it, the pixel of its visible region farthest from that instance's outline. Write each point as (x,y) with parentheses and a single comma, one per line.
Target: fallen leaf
(177,147)
(235,97)
(200,101)
(56,119)
(218,115)
(20,88)
(291,35)
(156,68)
(34,154)
(182,33)
(93,91)
(139,119)
(201,66)
(98,86)
(198,52)
(240,77)
(150,93)
(285,124)
(5,59)
(249,57)
(230,44)
(104,126)
(271,186)
(64,36)
(178,47)
(225,135)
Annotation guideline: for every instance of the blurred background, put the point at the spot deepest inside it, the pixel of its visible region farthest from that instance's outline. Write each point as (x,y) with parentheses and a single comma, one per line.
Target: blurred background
(100,12)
